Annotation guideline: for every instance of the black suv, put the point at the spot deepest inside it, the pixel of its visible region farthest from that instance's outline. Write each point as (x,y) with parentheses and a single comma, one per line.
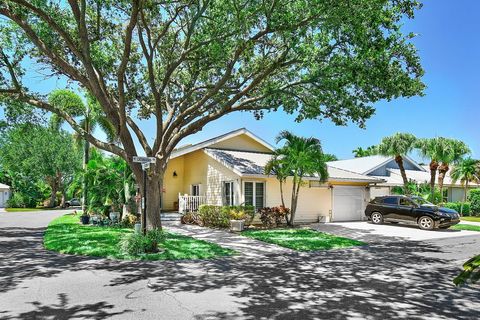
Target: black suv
(411,210)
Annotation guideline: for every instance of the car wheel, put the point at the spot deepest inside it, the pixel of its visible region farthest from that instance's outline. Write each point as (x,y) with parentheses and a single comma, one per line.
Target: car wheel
(377,218)
(426,223)
(67,205)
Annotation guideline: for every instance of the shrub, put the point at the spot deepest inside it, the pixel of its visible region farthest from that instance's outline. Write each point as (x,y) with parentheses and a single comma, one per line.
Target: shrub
(220,216)
(214,216)
(191,218)
(273,217)
(19,200)
(134,244)
(458,207)
(474,198)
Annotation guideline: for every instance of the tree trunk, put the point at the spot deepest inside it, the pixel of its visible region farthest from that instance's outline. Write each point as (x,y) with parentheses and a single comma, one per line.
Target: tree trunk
(399,161)
(154,199)
(433,175)
(464,196)
(281,193)
(442,171)
(64,196)
(53,195)
(293,209)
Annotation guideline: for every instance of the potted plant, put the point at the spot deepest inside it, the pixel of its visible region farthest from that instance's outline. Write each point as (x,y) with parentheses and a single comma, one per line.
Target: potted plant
(85,218)
(237,220)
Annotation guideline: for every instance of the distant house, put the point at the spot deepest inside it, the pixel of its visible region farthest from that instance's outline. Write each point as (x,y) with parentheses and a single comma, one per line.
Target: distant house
(228,170)
(4,194)
(386,168)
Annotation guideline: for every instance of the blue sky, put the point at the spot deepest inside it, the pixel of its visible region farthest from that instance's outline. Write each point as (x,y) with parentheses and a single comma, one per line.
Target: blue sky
(449,51)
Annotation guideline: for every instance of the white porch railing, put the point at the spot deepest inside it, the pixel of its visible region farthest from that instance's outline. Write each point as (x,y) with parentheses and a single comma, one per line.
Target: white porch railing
(187,203)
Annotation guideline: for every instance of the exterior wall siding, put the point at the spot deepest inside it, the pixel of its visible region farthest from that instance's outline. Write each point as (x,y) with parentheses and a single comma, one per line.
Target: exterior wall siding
(173,185)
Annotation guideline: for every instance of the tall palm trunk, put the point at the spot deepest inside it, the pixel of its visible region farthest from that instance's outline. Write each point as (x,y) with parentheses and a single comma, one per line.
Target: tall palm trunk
(399,161)
(281,194)
(433,176)
(465,188)
(442,171)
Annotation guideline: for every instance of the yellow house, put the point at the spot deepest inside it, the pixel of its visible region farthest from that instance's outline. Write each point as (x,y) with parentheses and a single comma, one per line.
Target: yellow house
(228,170)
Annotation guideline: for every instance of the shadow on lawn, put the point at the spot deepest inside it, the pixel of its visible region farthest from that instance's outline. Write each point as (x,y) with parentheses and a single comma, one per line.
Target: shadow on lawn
(390,278)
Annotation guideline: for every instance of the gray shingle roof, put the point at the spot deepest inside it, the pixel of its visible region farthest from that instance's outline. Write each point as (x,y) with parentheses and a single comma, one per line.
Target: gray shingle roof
(252,163)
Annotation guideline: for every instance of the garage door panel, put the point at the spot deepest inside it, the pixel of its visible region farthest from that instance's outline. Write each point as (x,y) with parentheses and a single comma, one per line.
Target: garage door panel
(348,203)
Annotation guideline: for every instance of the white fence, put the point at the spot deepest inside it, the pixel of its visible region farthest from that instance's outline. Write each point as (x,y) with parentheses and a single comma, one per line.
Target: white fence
(187,203)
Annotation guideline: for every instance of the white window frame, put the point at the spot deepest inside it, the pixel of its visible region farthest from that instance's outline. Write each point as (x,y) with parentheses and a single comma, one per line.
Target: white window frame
(255,192)
(192,188)
(232,193)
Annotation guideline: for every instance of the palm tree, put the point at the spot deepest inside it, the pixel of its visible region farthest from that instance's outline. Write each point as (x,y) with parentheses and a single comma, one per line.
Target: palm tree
(466,171)
(398,146)
(278,167)
(360,152)
(453,152)
(300,157)
(432,149)
(92,117)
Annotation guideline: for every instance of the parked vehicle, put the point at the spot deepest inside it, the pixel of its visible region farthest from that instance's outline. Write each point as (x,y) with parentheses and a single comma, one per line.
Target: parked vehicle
(410,210)
(74,202)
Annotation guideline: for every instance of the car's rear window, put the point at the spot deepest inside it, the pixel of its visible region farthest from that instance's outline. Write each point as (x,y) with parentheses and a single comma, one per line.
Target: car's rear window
(390,200)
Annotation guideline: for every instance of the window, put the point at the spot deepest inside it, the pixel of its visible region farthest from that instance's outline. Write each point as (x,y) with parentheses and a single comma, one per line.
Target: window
(390,200)
(228,193)
(195,189)
(405,202)
(254,193)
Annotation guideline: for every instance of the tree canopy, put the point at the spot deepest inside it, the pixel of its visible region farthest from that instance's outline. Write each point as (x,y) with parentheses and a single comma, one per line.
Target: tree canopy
(187,63)
(32,152)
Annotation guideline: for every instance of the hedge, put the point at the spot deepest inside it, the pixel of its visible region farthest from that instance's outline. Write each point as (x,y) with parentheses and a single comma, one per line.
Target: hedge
(474,197)
(457,206)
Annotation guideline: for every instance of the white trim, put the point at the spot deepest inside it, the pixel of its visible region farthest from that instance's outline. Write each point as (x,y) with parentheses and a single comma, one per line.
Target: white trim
(209,142)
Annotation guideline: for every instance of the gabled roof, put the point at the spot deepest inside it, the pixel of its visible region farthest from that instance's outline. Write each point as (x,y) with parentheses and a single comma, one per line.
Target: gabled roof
(4,186)
(249,164)
(365,165)
(395,178)
(205,144)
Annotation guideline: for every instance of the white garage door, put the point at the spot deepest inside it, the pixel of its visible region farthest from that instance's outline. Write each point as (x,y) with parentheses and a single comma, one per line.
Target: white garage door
(348,203)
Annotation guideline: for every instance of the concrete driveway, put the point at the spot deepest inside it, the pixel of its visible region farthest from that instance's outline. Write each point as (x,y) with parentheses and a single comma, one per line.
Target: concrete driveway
(403,231)
(391,278)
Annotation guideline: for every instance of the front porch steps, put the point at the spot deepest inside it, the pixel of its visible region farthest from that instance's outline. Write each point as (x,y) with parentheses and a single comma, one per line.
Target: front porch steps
(170,216)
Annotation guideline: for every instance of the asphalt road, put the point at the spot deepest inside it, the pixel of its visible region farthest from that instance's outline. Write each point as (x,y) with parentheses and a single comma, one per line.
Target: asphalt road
(391,278)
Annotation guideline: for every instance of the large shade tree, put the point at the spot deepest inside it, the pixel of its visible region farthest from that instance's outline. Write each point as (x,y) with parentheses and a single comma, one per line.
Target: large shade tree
(187,63)
(398,146)
(40,153)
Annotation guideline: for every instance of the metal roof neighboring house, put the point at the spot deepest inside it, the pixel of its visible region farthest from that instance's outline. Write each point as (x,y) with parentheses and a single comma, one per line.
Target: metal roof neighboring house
(4,186)
(252,164)
(366,165)
(395,178)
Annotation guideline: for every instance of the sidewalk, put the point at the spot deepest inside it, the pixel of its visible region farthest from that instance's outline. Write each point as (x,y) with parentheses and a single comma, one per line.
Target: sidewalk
(2,210)
(470,222)
(230,240)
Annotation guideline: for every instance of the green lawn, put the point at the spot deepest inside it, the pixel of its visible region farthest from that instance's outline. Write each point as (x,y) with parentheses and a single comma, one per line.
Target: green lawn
(66,235)
(23,209)
(302,239)
(469,227)
(473,219)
